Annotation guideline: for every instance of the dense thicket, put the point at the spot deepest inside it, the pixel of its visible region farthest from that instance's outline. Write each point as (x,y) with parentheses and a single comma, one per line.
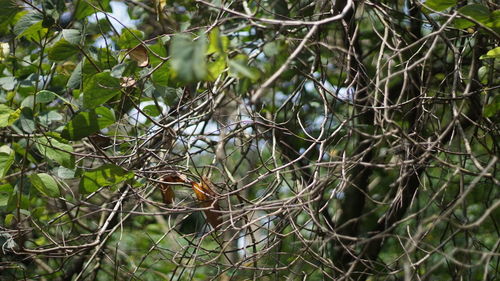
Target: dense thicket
(238,140)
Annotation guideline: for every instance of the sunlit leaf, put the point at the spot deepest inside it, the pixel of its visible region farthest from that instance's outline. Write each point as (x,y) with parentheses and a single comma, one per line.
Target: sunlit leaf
(45,184)
(30,26)
(492,54)
(73,36)
(106,175)
(205,194)
(440,5)
(217,43)
(99,89)
(57,151)
(5,116)
(62,50)
(6,159)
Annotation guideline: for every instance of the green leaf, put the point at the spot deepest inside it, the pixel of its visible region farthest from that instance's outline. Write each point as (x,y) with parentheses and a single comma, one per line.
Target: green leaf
(130,38)
(57,151)
(6,159)
(65,173)
(30,26)
(105,175)
(117,70)
(99,89)
(6,191)
(216,67)
(8,83)
(5,116)
(73,36)
(62,50)
(45,96)
(238,66)
(45,184)
(188,57)
(47,118)
(492,54)
(440,5)
(27,120)
(493,108)
(75,79)
(85,124)
(9,10)
(161,75)
(475,11)
(86,8)
(218,44)
(9,218)
(151,110)
(478,12)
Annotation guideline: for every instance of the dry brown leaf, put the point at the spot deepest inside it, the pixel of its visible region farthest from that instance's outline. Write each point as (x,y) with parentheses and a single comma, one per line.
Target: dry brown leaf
(127,82)
(140,55)
(206,195)
(166,191)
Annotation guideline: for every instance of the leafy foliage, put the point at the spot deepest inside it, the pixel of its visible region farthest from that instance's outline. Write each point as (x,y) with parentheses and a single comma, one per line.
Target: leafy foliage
(266,140)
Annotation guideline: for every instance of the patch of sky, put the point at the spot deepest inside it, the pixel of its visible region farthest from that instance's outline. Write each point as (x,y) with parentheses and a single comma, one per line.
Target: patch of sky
(342,93)
(119,18)
(136,117)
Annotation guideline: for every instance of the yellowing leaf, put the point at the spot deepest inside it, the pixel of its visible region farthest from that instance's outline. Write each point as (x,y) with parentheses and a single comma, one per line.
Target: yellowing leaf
(206,195)
(166,191)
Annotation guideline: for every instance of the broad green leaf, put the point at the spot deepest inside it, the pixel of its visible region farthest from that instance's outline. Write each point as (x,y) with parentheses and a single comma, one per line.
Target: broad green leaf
(73,36)
(8,83)
(62,50)
(478,12)
(87,123)
(106,175)
(157,49)
(99,89)
(239,66)
(492,54)
(6,159)
(57,151)
(47,118)
(30,26)
(217,43)
(475,11)
(27,120)
(440,5)
(494,21)
(117,70)
(151,110)
(65,173)
(75,79)
(5,116)
(6,191)
(9,9)
(188,57)
(130,38)
(161,75)
(45,96)
(9,218)
(216,67)
(45,184)
(492,108)
(86,8)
